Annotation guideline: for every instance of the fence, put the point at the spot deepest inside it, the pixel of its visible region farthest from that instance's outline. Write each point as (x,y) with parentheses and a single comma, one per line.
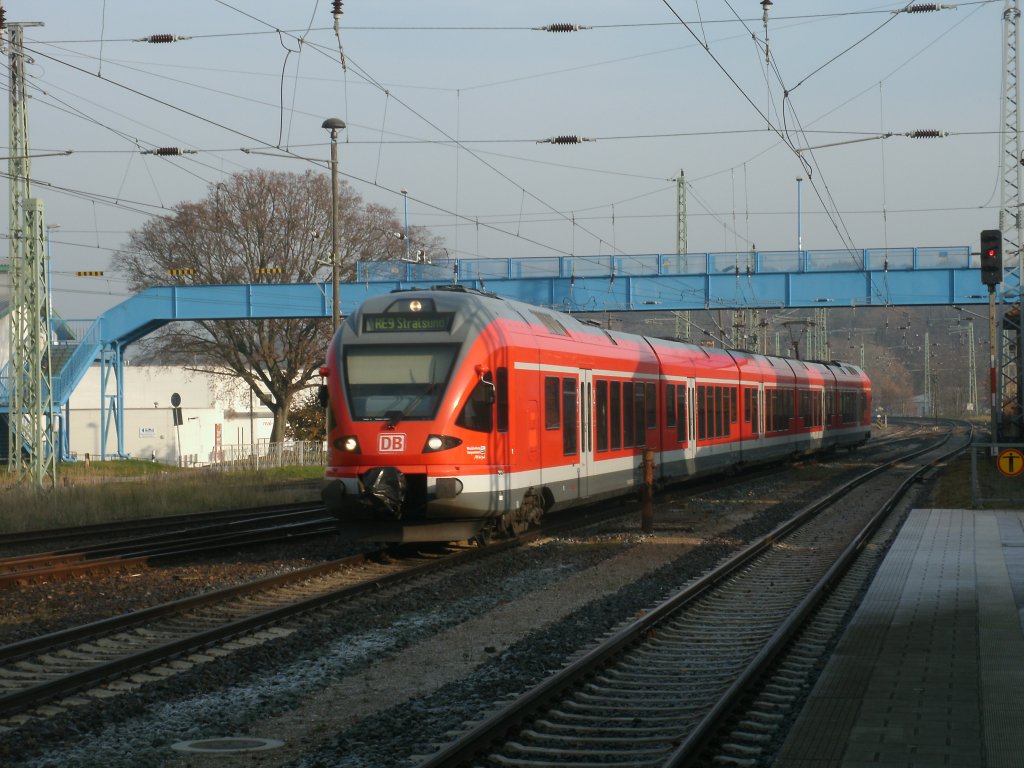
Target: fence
(261,455)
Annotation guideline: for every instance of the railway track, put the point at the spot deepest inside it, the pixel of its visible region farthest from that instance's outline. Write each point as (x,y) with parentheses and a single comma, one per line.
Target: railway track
(83,535)
(48,668)
(127,544)
(187,536)
(657,691)
(153,643)
(45,675)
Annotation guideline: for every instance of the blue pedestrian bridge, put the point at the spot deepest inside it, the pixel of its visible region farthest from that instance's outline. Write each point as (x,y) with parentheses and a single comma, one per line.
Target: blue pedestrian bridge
(694,281)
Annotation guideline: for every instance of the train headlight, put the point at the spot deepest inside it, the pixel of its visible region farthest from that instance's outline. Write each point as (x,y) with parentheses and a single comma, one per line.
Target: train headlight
(349,444)
(440,443)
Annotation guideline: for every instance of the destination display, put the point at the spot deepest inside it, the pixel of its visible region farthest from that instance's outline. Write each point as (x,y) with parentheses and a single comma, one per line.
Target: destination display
(407,322)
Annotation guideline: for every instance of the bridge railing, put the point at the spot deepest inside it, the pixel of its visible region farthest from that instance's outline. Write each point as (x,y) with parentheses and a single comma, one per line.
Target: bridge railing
(71,372)
(741,262)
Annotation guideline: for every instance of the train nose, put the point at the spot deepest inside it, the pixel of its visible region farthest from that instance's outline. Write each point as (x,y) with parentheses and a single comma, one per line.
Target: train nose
(385,487)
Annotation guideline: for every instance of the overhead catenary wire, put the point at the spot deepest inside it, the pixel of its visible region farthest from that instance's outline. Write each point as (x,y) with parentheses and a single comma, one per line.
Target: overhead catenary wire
(463,142)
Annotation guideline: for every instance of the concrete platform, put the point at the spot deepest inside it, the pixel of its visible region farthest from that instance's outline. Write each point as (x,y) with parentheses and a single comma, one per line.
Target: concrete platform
(931,670)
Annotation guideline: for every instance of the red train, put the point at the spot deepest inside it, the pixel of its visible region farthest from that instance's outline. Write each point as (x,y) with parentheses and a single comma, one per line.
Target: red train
(455,412)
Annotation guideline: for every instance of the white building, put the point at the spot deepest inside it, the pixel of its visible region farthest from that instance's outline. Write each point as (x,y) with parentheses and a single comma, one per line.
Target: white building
(216,415)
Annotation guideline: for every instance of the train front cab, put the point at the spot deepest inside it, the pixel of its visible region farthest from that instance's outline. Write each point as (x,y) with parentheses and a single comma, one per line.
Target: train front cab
(419,403)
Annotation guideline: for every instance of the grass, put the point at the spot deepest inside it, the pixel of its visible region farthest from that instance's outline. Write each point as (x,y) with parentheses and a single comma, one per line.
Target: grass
(108,491)
(102,492)
(997,491)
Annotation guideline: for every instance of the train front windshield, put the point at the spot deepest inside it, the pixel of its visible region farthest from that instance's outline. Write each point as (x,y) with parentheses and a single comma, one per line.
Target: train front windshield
(397,381)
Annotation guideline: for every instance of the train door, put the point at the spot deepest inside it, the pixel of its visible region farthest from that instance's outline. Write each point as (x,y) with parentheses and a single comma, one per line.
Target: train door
(586,433)
(691,423)
(761,421)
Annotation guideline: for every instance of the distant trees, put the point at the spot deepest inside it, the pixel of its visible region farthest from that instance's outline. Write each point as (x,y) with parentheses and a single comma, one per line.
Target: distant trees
(259,227)
(892,385)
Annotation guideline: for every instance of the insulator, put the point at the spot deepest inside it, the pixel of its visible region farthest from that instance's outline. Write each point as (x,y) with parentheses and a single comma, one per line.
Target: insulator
(3,19)
(561,28)
(336,8)
(566,140)
(161,39)
(168,151)
(922,7)
(929,133)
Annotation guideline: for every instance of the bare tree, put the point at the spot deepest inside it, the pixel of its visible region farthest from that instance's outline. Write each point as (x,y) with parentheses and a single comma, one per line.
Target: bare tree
(259,227)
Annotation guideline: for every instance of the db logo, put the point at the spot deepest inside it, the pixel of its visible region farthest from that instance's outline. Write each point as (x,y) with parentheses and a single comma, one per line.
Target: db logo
(390,442)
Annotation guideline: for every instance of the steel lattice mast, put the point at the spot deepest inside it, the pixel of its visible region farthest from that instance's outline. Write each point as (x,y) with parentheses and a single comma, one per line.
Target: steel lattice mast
(1009,331)
(682,332)
(30,390)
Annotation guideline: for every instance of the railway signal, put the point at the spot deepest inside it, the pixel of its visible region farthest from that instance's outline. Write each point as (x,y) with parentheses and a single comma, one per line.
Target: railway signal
(991,256)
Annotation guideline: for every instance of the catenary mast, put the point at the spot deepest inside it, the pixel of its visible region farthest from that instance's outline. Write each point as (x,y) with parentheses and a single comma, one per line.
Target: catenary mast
(1010,425)
(29,382)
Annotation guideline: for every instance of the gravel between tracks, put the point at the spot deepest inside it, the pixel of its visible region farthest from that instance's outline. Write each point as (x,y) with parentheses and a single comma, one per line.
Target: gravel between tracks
(379,683)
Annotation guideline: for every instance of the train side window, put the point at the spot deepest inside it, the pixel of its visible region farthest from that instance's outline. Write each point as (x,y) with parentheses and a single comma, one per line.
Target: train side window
(601,406)
(652,405)
(569,416)
(477,413)
(682,425)
(722,398)
(702,409)
(627,414)
(501,392)
(772,406)
(733,410)
(639,420)
(715,408)
(552,415)
(615,401)
(670,405)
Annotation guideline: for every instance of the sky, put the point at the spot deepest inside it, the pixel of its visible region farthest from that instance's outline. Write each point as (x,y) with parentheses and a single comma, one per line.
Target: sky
(452,100)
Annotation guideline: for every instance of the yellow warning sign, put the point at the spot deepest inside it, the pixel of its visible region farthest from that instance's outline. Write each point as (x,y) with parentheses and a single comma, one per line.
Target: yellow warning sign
(1010,462)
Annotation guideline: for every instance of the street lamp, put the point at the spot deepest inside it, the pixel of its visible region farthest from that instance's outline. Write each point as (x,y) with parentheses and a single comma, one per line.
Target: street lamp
(405,199)
(799,232)
(333,124)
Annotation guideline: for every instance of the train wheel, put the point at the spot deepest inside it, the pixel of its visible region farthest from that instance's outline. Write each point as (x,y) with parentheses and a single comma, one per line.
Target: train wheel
(483,538)
(519,521)
(533,510)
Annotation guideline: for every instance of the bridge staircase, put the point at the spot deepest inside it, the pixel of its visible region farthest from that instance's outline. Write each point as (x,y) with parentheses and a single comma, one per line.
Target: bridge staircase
(70,359)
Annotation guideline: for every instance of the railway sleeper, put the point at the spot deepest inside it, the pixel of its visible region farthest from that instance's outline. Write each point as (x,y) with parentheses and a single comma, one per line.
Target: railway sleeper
(664,738)
(617,716)
(562,752)
(627,726)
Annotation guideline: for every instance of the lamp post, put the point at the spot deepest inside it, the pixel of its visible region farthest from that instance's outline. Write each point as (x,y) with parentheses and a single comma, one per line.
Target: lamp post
(799,232)
(405,205)
(333,124)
